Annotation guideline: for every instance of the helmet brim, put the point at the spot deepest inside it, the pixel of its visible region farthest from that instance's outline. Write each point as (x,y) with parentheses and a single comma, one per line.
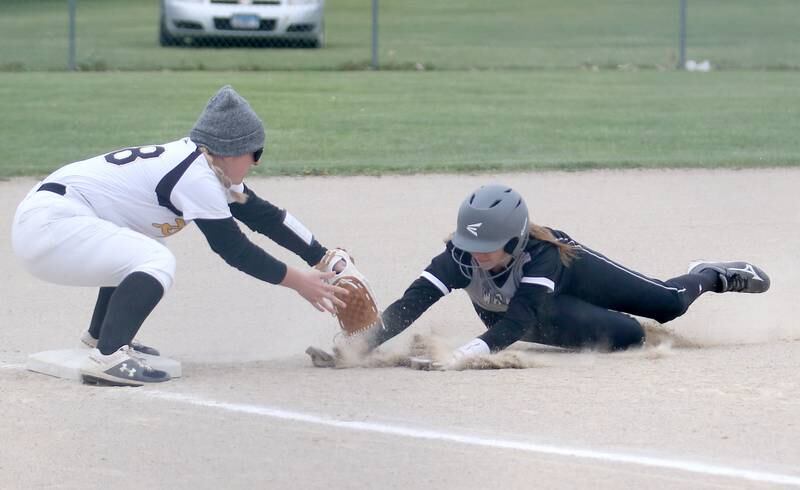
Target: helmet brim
(473,244)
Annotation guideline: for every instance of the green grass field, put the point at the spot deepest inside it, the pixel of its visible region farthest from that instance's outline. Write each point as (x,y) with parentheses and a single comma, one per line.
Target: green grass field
(378,122)
(511,85)
(464,34)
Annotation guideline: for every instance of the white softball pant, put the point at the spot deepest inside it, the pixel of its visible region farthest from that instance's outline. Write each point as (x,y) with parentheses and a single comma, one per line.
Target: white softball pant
(61,240)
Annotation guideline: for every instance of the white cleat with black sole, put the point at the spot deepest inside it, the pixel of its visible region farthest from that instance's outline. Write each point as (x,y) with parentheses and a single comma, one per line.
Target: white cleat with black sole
(120,368)
(738,277)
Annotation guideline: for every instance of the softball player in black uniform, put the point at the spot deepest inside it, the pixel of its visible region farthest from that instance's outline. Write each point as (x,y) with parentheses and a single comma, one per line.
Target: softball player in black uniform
(532,283)
(101,223)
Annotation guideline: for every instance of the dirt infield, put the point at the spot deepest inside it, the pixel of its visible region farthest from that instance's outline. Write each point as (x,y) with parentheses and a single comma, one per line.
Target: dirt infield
(718,410)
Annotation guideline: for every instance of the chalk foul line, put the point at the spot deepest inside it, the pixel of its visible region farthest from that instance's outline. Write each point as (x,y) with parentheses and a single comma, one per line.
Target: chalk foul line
(471,440)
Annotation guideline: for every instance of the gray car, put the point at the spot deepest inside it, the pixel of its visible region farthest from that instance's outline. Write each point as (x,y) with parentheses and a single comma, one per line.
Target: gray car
(224,22)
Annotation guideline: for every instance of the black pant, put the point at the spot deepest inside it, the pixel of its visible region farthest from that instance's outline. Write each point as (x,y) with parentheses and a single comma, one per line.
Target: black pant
(592,306)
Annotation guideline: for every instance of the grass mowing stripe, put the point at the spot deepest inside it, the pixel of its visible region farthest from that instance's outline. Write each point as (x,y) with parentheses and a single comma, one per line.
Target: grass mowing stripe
(357,122)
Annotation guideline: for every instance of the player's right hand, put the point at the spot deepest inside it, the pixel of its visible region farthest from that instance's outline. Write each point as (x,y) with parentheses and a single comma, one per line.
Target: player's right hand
(313,286)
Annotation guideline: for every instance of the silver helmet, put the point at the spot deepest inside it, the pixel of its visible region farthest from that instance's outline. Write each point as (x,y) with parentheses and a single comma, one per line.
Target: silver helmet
(493,217)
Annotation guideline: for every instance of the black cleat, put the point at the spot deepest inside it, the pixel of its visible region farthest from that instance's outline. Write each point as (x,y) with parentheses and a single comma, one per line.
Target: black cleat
(737,277)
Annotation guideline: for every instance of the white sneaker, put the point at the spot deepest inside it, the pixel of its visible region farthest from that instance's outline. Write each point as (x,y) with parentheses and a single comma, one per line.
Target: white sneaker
(120,368)
(91,342)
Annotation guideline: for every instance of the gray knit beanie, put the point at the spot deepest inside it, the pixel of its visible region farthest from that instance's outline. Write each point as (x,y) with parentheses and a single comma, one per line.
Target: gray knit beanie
(228,125)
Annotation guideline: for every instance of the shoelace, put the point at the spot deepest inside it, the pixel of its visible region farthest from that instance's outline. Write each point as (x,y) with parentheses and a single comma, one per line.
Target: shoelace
(737,283)
(133,355)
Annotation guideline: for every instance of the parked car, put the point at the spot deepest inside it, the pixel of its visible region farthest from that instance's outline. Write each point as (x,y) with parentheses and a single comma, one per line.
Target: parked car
(273,22)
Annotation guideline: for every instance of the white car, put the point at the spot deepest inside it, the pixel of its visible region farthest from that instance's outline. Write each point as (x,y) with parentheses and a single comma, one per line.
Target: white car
(296,22)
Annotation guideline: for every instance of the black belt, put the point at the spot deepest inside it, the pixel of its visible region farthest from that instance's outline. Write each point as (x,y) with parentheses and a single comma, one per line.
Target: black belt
(59,189)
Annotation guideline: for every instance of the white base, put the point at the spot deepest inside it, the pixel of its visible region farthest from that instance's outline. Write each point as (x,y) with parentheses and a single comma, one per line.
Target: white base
(67,363)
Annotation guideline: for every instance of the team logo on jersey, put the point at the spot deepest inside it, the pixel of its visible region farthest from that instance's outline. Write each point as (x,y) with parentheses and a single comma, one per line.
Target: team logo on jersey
(473,228)
(493,297)
(168,229)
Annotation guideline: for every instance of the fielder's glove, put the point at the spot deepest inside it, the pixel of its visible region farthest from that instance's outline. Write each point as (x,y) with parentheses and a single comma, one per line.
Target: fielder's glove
(360,311)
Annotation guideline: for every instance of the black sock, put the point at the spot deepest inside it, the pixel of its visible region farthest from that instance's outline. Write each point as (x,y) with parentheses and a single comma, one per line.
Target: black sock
(711,281)
(100,307)
(131,303)
(708,280)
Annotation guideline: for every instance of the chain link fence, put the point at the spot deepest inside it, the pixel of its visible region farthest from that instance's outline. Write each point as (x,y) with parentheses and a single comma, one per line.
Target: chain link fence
(411,34)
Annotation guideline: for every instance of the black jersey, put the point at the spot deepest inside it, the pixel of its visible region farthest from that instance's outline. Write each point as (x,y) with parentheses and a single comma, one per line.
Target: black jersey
(508,305)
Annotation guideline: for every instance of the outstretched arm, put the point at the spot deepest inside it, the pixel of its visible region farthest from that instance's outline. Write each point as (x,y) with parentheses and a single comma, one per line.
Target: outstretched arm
(227,240)
(520,316)
(419,296)
(279,225)
(438,279)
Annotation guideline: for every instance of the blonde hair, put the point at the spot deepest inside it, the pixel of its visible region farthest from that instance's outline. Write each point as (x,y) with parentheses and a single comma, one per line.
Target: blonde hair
(239,197)
(566,251)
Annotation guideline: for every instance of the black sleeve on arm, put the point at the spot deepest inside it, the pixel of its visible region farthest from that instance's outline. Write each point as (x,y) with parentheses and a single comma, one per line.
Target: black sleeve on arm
(227,240)
(264,217)
(520,316)
(419,296)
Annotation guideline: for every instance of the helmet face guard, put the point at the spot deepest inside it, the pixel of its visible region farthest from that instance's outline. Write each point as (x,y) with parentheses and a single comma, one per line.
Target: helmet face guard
(467,265)
(491,218)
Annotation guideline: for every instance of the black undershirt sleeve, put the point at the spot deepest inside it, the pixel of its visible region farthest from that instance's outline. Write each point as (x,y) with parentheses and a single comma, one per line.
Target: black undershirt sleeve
(264,217)
(521,315)
(419,296)
(227,240)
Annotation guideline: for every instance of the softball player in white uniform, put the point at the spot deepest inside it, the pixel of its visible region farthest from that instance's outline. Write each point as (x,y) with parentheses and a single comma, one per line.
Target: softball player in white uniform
(101,222)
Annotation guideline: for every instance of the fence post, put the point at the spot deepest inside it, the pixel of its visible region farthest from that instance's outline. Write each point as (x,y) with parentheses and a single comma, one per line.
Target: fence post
(682,42)
(71,56)
(374,64)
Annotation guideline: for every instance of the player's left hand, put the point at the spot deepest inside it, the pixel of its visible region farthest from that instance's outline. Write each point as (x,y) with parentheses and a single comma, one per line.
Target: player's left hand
(458,358)
(468,351)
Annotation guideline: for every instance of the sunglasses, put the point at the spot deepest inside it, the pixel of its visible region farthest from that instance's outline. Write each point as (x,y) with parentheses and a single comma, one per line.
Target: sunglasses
(257,154)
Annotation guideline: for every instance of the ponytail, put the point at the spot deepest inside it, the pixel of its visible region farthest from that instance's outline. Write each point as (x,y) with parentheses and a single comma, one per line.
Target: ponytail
(566,251)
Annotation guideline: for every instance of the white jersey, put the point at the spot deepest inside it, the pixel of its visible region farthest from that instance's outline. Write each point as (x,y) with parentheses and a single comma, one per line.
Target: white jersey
(155,190)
